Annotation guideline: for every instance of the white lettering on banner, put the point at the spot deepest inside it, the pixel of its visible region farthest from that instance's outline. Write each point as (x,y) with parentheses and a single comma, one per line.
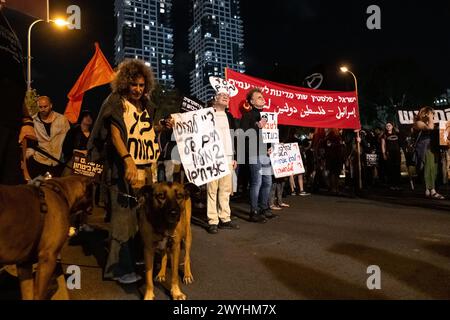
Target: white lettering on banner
(200,147)
(142,143)
(407,116)
(286,160)
(85,168)
(270,130)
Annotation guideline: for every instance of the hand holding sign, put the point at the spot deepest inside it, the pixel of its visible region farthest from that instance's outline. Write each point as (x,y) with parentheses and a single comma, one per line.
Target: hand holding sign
(200,146)
(262,123)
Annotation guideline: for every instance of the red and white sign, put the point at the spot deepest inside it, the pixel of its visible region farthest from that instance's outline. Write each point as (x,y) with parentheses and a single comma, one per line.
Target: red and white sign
(298,106)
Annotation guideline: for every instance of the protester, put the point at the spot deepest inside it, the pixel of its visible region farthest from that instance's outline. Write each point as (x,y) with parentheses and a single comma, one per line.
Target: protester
(318,146)
(391,144)
(259,163)
(51,128)
(334,157)
(75,143)
(427,150)
(218,191)
(124,123)
(77,137)
(305,145)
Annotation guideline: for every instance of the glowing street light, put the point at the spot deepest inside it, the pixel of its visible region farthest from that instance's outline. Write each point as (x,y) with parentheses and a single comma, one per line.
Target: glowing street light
(344,69)
(58,22)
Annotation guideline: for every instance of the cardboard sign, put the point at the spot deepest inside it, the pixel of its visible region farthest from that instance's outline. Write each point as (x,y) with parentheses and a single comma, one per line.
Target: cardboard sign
(82,166)
(200,147)
(286,160)
(270,131)
(444,130)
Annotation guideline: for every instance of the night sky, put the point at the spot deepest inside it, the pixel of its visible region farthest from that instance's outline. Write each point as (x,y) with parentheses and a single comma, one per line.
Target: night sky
(284,41)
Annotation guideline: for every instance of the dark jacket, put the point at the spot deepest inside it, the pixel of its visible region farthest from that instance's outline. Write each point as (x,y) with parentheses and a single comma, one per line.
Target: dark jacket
(100,146)
(75,139)
(248,122)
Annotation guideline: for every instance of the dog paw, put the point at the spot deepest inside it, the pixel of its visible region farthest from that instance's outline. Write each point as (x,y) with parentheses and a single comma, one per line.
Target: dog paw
(149,296)
(161,278)
(188,279)
(179,296)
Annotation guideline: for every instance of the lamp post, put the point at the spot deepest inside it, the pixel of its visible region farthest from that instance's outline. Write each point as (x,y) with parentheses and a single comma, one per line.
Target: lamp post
(358,144)
(58,22)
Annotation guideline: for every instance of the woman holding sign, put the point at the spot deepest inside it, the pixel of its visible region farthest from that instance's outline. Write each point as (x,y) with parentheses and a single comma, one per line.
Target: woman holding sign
(124,140)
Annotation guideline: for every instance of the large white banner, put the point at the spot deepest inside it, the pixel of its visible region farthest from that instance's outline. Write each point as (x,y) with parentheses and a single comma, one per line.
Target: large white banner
(201,150)
(270,130)
(286,160)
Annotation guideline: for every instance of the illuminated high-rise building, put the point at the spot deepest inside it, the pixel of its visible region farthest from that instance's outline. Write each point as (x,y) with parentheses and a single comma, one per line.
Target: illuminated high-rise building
(144,31)
(216,41)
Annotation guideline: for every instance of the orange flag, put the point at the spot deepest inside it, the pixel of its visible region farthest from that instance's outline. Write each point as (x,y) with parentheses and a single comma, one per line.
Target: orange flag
(97,72)
(35,8)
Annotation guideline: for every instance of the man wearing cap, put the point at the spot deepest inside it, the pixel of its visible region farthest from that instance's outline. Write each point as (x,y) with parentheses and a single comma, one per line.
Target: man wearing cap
(218,191)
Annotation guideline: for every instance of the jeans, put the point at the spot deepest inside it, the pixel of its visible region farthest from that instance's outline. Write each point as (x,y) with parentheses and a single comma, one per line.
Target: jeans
(260,186)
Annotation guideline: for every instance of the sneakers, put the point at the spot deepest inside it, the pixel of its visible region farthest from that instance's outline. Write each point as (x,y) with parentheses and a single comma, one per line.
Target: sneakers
(228,225)
(304,193)
(212,228)
(128,278)
(283,205)
(274,207)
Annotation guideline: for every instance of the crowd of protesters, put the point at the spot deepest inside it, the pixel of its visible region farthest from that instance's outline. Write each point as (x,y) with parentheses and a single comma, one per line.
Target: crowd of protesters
(330,156)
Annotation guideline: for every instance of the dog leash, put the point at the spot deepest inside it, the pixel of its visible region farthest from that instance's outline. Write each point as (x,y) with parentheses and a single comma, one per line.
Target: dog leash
(110,188)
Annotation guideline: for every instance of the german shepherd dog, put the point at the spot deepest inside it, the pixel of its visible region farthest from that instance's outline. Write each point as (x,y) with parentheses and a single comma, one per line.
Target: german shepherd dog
(34,225)
(165,222)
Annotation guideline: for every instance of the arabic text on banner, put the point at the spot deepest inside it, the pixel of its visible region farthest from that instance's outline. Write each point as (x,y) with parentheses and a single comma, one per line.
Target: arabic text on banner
(298,106)
(270,132)
(201,150)
(286,160)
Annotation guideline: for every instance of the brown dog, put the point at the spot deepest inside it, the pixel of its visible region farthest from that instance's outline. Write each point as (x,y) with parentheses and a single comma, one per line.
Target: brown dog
(165,221)
(35,226)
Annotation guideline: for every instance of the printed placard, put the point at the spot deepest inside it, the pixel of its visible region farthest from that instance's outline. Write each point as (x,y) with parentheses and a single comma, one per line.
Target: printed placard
(286,160)
(191,104)
(200,147)
(270,131)
(82,166)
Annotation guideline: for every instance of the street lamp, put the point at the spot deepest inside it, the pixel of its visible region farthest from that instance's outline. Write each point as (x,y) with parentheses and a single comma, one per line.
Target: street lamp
(58,22)
(344,69)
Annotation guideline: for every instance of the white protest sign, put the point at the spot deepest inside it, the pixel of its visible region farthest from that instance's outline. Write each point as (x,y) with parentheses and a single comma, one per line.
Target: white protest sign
(201,150)
(270,130)
(286,160)
(221,85)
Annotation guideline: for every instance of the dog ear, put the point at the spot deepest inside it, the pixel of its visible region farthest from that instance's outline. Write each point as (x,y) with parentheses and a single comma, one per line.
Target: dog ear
(143,195)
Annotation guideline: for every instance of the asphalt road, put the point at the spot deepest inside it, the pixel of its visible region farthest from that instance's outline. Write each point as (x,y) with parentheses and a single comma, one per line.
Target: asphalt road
(319,248)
